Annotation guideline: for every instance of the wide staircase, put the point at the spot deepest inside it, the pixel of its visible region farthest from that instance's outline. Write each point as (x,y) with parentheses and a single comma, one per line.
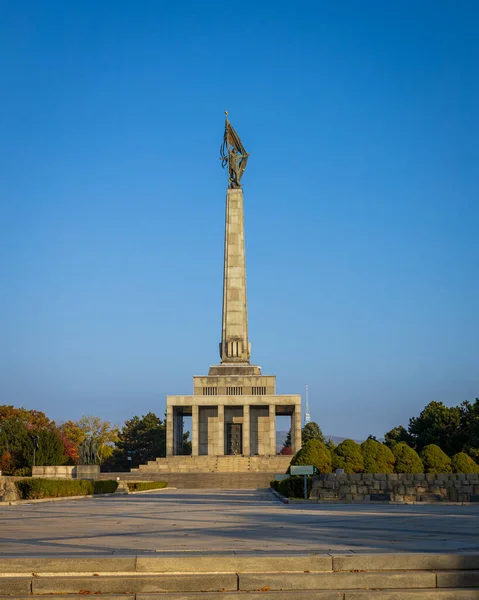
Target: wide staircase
(199,576)
(216,464)
(202,472)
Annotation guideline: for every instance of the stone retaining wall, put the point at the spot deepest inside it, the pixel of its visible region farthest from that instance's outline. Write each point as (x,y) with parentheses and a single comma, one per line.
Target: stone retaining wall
(396,487)
(67,472)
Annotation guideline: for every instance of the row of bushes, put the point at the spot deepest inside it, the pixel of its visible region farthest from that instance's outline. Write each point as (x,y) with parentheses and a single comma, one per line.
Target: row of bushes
(373,457)
(293,487)
(34,489)
(141,486)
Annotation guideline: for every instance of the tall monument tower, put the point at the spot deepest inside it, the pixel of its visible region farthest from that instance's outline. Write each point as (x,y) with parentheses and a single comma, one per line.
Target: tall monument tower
(234,346)
(234,407)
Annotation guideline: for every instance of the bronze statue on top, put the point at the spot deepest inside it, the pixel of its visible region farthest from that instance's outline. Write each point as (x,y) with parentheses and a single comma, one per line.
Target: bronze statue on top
(233,154)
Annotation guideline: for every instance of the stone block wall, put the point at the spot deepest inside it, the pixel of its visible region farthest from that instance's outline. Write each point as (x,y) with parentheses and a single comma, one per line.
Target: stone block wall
(396,487)
(67,472)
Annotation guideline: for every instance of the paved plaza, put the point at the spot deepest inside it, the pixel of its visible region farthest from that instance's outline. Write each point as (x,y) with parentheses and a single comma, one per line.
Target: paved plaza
(226,521)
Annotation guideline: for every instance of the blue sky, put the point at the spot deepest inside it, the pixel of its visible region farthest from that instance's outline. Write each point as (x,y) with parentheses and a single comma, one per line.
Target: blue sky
(361,199)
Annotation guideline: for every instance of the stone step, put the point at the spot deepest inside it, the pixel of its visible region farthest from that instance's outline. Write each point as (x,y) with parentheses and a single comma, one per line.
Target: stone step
(224,464)
(200,480)
(229,562)
(341,582)
(245,576)
(404,594)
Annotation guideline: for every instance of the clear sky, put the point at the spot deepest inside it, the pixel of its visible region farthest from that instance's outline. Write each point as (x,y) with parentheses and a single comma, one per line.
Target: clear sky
(361,200)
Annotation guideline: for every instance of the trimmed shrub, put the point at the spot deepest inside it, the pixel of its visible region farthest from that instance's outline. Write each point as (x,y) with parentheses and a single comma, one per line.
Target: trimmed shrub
(463,463)
(377,457)
(315,453)
(105,487)
(435,460)
(348,456)
(407,459)
(34,489)
(140,486)
(293,487)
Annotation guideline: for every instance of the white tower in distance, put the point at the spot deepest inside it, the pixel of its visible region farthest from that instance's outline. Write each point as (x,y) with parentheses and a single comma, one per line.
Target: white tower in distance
(307,416)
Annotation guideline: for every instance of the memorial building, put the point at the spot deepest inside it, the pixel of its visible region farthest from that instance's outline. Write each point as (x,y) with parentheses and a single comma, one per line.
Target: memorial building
(234,407)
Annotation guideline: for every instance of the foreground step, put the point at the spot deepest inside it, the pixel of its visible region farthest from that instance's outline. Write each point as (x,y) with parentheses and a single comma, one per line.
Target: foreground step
(229,562)
(245,582)
(452,594)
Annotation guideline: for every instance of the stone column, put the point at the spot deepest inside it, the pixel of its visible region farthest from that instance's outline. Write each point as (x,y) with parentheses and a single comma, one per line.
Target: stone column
(195,429)
(169,431)
(221,430)
(272,429)
(234,338)
(296,429)
(246,431)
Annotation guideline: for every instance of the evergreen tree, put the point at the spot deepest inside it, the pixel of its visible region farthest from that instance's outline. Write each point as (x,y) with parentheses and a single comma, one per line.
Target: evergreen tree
(287,442)
(407,459)
(348,456)
(396,436)
(50,449)
(463,463)
(435,460)
(315,453)
(16,446)
(312,431)
(377,457)
(141,439)
(437,424)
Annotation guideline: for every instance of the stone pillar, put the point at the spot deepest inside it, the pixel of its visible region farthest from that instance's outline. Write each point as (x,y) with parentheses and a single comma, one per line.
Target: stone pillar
(195,429)
(246,431)
(272,429)
(296,429)
(221,430)
(169,431)
(234,347)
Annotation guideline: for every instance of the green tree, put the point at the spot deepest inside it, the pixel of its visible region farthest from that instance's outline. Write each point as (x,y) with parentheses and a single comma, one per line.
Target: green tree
(330,445)
(315,453)
(407,459)
(377,457)
(463,463)
(287,442)
(435,460)
(51,450)
(347,455)
(142,439)
(437,424)
(396,436)
(469,429)
(312,431)
(16,446)
(103,432)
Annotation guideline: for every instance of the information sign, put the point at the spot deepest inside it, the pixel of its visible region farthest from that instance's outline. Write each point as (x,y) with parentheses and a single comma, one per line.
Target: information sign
(302,470)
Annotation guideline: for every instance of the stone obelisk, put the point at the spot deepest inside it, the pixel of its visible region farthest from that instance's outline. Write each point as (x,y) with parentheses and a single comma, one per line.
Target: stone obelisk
(233,409)
(234,346)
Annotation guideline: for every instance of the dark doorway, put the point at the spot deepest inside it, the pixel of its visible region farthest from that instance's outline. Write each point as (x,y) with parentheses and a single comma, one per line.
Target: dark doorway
(234,438)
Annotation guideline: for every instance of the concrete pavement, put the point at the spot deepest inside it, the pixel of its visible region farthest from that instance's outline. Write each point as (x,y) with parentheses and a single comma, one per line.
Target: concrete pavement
(231,522)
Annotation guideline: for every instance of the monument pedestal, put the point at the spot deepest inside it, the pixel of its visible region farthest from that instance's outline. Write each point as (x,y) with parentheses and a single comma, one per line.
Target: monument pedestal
(86,472)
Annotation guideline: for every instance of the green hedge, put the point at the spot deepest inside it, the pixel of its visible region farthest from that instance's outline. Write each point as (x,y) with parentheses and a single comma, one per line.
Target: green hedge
(140,486)
(105,487)
(293,487)
(34,489)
